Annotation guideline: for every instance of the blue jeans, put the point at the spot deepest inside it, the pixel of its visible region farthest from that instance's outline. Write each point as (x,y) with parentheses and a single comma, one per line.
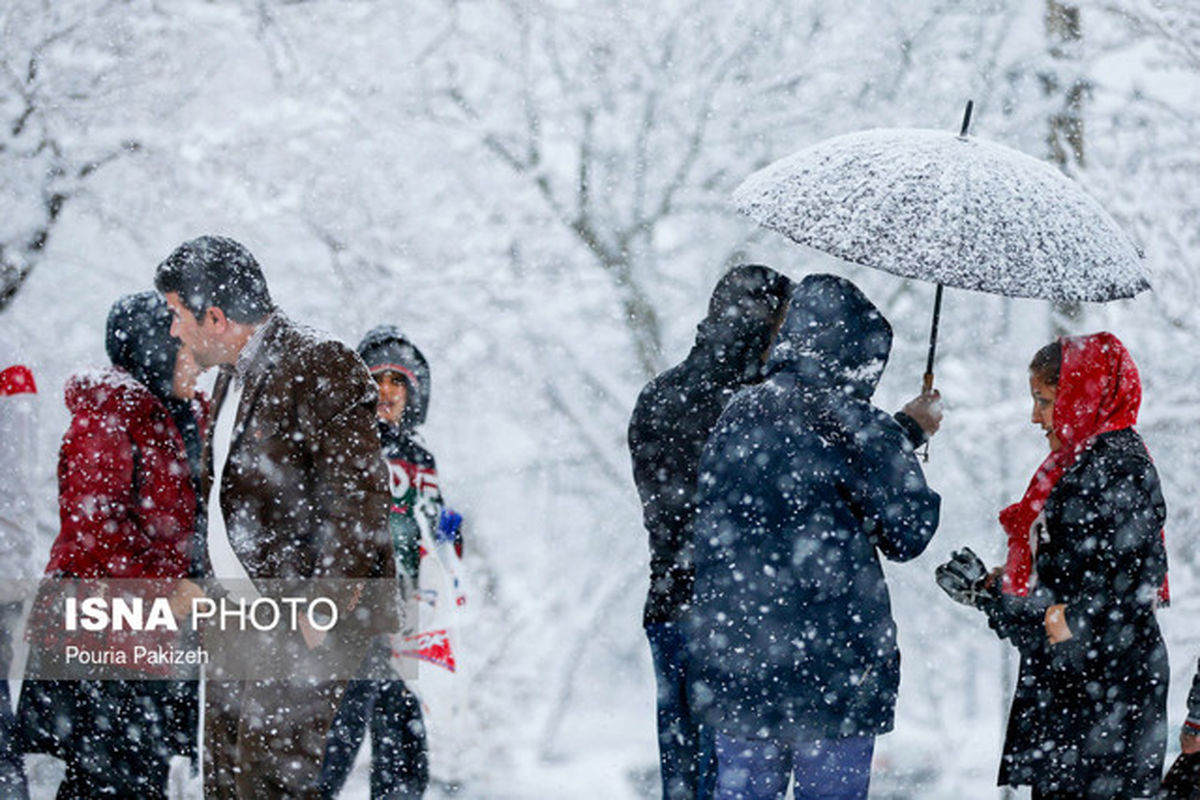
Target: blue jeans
(399,758)
(686,757)
(825,769)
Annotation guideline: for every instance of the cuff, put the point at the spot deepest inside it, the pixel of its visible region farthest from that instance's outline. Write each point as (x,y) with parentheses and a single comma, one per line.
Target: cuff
(912,430)
(1191,726)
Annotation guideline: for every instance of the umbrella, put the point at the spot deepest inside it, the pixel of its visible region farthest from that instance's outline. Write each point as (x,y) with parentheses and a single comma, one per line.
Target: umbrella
(951,209)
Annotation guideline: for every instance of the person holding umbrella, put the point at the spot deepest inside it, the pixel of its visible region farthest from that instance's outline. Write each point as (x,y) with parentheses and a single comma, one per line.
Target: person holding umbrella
(803,485)
(1085,572)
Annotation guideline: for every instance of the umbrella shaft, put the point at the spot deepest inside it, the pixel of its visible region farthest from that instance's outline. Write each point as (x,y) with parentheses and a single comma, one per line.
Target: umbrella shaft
(933,334)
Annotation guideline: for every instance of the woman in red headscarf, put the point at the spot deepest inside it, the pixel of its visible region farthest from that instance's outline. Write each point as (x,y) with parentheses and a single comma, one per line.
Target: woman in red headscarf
(1086,570)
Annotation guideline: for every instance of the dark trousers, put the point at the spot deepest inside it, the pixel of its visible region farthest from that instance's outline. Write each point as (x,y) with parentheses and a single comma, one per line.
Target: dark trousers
(399,754)
(264,740)
(119,744)
(686,753)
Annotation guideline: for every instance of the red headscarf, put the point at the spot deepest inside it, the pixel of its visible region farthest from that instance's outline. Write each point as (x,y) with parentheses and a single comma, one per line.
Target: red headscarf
(1098,391)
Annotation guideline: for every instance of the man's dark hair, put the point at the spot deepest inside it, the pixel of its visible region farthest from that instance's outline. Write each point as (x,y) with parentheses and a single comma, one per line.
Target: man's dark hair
(216,271)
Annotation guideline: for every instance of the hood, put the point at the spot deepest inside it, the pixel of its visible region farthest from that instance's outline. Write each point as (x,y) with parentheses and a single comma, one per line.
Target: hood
(385,348)
(833,337)
(109,390)
(741,314)
(138,340)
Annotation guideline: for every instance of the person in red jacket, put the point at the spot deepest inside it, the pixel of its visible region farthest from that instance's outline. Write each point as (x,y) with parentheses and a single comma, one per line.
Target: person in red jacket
(128,507)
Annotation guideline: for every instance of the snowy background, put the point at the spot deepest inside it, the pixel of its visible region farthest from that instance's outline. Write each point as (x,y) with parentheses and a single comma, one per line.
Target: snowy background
(537,193)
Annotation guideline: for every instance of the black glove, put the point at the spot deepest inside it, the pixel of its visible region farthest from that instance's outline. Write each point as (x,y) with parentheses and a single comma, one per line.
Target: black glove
(965,578)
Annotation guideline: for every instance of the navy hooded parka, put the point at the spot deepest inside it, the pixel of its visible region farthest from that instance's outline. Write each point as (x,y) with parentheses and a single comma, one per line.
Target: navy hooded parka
(803,484)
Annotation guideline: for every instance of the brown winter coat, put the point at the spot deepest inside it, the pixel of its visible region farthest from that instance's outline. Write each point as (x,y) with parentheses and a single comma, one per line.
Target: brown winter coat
(304,495)
(304,492)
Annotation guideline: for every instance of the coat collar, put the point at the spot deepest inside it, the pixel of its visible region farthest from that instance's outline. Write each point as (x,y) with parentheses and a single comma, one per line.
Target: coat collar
(249,360)
(253,365)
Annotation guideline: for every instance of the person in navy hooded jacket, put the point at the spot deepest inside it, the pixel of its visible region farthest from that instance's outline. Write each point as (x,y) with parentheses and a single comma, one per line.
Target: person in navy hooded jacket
(803,484)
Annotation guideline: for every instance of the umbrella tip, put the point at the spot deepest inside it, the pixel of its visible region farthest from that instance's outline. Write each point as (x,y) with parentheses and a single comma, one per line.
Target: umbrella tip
(966,123)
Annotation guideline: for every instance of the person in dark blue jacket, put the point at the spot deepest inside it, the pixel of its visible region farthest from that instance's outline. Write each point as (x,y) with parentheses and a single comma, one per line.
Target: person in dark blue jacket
(803,484)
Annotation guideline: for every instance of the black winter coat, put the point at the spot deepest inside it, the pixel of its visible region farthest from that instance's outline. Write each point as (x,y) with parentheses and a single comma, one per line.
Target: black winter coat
(1088,715)
(803,484)
(674,415)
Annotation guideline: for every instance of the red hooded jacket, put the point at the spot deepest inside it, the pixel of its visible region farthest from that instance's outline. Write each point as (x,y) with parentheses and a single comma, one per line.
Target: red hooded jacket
(127,506)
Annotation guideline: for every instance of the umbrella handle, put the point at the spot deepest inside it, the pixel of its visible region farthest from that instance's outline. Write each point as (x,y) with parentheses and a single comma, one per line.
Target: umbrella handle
(933,337)
(926,388)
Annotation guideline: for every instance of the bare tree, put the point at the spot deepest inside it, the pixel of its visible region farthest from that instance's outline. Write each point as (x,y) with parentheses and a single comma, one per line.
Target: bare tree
(59,68)
(630,124)
(537,190)
(606,114)
(1067,88)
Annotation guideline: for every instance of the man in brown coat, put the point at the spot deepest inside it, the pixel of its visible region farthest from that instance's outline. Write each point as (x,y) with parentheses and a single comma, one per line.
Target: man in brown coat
(296,491)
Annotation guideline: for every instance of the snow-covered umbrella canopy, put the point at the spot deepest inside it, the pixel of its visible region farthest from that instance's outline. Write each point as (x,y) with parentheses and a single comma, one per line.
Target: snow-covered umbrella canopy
(950,209)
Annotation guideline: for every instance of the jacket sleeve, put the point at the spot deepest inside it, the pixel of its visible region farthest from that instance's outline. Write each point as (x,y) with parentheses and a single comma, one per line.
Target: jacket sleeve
(912,429)
(899,510)
(1020,620)
(349,478)
(667,489)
